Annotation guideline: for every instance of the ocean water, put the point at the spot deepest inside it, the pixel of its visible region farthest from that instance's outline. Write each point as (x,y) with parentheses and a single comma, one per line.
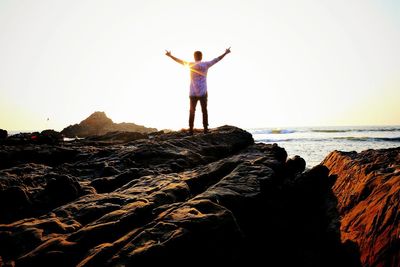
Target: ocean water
(315,143)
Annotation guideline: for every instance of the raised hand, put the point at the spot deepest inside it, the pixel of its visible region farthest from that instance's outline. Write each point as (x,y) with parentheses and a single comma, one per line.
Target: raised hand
(167,53)
(228,50)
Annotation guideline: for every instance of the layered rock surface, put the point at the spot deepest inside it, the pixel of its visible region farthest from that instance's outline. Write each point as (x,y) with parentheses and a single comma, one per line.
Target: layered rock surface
(99,124)
(214,198)
(368,192)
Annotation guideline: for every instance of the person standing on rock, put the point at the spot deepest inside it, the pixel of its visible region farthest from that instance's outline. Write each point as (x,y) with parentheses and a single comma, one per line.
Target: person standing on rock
(198,84)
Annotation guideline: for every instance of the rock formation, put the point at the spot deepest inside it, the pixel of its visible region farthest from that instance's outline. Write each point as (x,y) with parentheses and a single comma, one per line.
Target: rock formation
(368,193)
(172,199)
(99,124)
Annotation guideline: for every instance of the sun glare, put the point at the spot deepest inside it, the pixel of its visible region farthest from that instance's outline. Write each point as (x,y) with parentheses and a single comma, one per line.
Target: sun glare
(187,66)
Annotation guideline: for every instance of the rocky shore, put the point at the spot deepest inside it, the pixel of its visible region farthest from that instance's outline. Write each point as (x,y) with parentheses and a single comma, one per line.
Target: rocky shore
(126,199)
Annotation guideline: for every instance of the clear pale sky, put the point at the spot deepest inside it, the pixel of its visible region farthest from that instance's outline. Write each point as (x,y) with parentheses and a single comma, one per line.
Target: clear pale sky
(293,63)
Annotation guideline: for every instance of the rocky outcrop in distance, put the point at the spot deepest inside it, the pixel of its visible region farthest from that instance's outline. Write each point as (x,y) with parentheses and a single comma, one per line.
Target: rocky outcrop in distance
(172,199)
(99,124)
(368,193)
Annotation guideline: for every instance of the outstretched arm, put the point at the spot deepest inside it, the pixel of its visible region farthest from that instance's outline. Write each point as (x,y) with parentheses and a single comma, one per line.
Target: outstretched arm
(227,51)
(180,61)
(217,59)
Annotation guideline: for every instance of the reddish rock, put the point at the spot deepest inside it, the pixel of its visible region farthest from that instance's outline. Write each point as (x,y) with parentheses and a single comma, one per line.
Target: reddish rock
(368,192)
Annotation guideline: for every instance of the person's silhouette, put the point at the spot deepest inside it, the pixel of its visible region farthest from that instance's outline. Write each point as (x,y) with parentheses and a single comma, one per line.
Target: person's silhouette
(198,84)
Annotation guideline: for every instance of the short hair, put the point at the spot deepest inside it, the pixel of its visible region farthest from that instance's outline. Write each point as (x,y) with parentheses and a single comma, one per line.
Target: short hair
(198,55)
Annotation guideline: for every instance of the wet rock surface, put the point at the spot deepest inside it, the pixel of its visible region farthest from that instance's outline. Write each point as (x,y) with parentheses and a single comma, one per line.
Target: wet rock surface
(171,198)
(368,193)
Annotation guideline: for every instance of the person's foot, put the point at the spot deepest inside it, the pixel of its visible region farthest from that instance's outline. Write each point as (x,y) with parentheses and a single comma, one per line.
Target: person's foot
(190,131)
(206,130)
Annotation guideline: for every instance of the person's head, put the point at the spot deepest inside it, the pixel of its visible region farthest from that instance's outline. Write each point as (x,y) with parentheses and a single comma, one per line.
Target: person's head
(198,56)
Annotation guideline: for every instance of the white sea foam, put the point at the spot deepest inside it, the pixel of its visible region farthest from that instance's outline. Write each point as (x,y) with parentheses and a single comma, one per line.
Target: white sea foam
(314,143)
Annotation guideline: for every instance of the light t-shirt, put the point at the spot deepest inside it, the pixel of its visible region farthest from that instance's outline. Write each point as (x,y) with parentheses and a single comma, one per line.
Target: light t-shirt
(198,76)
